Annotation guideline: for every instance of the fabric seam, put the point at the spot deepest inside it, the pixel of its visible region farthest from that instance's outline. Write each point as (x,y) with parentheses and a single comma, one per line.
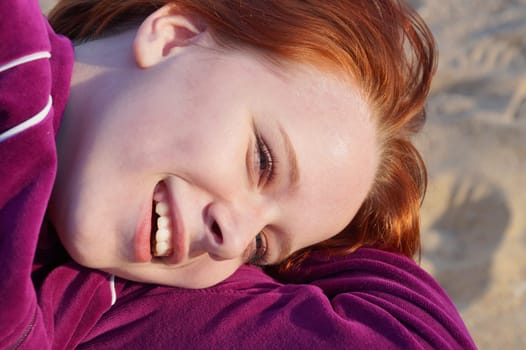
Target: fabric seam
(26,332)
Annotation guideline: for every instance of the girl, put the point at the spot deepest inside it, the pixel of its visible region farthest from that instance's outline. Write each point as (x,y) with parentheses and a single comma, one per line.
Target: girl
(202,139)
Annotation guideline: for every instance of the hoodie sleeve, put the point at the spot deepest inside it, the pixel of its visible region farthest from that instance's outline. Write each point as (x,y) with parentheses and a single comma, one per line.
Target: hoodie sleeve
(27,164)
(390,296)
(367,300)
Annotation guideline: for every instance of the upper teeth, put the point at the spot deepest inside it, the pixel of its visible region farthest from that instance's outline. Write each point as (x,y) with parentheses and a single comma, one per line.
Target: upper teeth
(162,245)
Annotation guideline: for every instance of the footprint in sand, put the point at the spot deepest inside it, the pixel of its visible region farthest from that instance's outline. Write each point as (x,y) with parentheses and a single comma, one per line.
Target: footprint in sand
(463,239)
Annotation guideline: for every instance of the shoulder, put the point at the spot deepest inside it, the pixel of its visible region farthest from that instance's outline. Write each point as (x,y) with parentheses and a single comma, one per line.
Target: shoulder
(22,29)
(369,299)
(35,67)
(389,291)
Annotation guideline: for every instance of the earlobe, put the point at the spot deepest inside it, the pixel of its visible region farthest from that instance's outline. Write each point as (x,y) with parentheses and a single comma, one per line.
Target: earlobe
(163,34)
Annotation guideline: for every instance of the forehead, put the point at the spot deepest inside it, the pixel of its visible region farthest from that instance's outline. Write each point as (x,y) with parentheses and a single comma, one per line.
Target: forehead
(331,128)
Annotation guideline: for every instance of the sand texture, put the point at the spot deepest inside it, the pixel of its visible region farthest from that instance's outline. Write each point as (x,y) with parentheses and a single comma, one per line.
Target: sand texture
(474,216)
(474,222)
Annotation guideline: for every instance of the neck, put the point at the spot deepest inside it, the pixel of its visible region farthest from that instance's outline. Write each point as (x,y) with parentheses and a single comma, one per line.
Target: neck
(101,68)
(106,55)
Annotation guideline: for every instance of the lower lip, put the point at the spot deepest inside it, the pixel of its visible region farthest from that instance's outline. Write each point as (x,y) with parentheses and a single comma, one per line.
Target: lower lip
(142,235)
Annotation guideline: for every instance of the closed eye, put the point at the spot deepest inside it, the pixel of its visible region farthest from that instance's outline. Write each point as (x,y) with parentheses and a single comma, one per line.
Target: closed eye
(259,255)
(265,162)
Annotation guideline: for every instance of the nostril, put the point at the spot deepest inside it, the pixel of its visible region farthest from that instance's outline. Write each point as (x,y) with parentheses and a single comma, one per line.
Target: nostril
(216,230)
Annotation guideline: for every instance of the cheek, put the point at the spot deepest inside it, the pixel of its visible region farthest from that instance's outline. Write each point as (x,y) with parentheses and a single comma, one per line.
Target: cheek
(217,152)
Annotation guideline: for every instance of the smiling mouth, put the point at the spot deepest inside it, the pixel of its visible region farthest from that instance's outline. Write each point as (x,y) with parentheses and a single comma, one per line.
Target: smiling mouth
(161,237)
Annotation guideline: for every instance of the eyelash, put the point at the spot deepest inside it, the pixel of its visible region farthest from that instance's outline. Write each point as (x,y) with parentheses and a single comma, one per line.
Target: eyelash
(265,162)
(259,257)
(264,152)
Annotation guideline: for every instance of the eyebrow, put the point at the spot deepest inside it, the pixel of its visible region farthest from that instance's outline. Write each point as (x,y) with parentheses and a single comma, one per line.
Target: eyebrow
(294,178)
(293,169)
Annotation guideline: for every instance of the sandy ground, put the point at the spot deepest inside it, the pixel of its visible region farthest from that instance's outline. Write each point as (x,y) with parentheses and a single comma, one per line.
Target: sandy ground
(474,222)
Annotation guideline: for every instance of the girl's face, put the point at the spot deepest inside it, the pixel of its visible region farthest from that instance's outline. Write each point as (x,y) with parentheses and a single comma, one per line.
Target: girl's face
(243,161)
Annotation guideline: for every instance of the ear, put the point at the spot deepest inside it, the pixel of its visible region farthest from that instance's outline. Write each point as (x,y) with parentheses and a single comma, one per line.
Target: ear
(163,34)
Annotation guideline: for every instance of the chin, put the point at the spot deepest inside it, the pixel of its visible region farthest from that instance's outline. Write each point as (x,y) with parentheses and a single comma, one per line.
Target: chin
(91,259)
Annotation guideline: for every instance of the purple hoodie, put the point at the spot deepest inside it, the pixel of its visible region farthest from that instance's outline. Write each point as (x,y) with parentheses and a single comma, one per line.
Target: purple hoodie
(369,299)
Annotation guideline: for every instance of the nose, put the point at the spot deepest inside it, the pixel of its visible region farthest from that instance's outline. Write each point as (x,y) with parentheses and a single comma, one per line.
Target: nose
(232,228)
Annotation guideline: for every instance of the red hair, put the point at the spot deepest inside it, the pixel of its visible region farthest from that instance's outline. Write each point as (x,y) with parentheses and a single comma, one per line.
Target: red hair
(381,45)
